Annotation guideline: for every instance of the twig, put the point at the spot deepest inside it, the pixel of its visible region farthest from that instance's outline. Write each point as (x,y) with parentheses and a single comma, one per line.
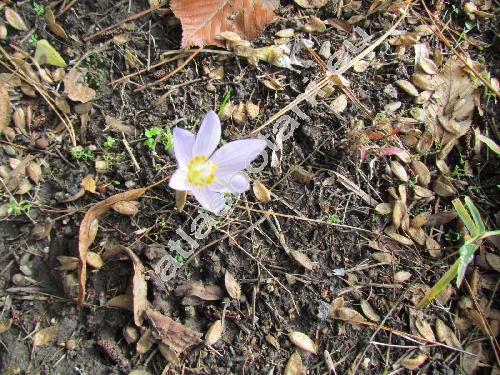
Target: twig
(179,68)
(155,65)
(131,154)
(130,18)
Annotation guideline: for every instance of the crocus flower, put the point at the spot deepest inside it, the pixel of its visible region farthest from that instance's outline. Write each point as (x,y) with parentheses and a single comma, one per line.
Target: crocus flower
(208,173)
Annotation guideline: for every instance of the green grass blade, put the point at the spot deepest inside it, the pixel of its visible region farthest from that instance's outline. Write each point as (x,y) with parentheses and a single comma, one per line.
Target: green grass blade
(227,95)
(475,215)
(466,218)
(440,285)
(466,251)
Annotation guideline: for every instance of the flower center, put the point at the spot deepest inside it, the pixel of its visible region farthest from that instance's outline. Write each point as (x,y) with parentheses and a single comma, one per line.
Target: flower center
(200,172)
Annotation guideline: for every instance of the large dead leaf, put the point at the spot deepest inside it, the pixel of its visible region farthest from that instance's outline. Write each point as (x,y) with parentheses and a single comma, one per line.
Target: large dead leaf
(449,115)
(86,236)
(204,20)
(76,91)
(174,335)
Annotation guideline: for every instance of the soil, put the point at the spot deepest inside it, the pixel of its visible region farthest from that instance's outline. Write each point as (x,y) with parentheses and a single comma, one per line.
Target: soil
(279,296)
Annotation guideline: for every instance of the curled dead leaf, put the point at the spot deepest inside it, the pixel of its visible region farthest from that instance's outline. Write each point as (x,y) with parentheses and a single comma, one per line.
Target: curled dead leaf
(89,184)
(425,329)
(383,208)
(302,259)
(145,343)
(446,335)
(350,315)
(15,20)
(399,170)
(391,232)
(407,87)
(421,172)
(94,260)
(302,341)
(369,311)
(86,236)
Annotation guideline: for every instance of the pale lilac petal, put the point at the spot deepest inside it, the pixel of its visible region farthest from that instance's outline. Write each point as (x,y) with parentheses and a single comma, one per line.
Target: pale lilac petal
(236,156)
(209,200)
(183,145)
(235,183)
(208,136)
(178,180)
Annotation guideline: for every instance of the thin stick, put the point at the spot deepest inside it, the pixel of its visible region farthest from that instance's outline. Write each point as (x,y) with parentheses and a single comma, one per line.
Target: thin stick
(141,89)
(155,65)
(322,82)
(131,154)
(317,221)
(132,17)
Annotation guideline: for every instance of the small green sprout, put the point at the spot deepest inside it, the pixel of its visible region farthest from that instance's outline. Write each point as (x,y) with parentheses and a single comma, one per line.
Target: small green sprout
(227,95)
(38,8)
(178,257)
(167,140)
(33,39)
(155,135)
(15,208)
(335,219)
(79,153)
(110,141)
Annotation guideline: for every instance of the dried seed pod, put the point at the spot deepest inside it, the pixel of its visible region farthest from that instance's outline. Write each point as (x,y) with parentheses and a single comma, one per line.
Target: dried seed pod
(63,105)
(399,171)
(214,333)
(423,81)
(420,220)
(180,199)
(130,334)
(9,133)
(34,172)
(397,214)
(19,118)
(423,97)
(94,260)
(424,143)
(407,87)
(443,187)
(101,166)
(421,192)
(417,235)
(232,286)
(227,111)
(382,257)
(15,20)
(449,124)
(261,192)
(3,31)
(413,363)
(44,76)
(285,33)
(443,167)
(422,172)
(369,311)
(433,247)
(23,187)
(294,365)
(239,114)
(128,208)
(252,110)
(303,342)
(383,208)
(428,66)
(391,232)
(28,91)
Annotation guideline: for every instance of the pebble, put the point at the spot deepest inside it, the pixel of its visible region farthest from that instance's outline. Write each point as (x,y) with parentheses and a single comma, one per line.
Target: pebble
(325,50)
(129,184)
(9,150)
(392,107)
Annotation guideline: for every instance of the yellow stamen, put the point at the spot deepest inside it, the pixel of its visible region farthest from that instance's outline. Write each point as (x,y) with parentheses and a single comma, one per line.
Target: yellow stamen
(199,172)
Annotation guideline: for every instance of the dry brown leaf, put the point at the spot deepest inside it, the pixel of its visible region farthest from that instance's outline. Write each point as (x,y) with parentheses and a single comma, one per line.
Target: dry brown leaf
(45,336)
(402,276)
(139,286)
(4,107)
(85,235)
(207,292)
(303,260)
(52,24)
(369,311)
(350,315)
(77,92)
(204,20)
(232,286)
(214,333)
(34,172)
(89,184)
(294,365)
(67,263)
(425,329)
(471,362)
(174,335)
(303,342)
(311,3)
(116,125)
(433,247)
(494,261)
(122,301)
(94,260)
(446,335)
(180,199)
